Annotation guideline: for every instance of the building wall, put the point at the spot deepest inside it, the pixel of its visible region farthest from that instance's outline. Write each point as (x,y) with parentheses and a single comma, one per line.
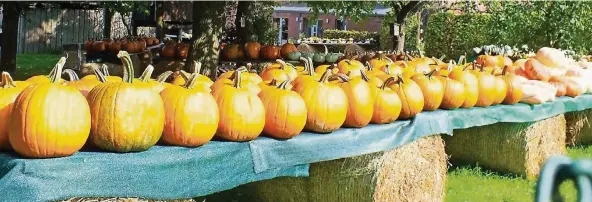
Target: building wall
(372,24)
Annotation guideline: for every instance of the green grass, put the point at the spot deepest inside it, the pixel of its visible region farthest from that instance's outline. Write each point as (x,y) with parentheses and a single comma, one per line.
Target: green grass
(28,65)
(473,183)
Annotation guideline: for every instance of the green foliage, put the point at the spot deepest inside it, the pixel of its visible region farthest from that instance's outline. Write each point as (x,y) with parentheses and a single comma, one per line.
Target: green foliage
(263,26)
(355,10)
(346,34)
(559,24)
(410,30)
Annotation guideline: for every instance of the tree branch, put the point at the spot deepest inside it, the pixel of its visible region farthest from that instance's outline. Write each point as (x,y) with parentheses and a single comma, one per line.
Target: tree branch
(405,10)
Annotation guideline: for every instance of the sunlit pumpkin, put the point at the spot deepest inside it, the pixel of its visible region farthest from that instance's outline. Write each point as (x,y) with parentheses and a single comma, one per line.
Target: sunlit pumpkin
(359,98)
(280,72)
(487,91)
(9,90)
(252,49)
(411,97)
(471,86)
(346,66)
(105,71)
(432,89)
(84,86)
(202,82)
(49,119)
(454,93)
(309,76)
(242,114)
(182,105)
(536,70)
(387,104)
(326,104)
(46,78)
(514,88)
(126,116)
(286,49)
(246,82)
(285,111)
(500,89)
(572,88)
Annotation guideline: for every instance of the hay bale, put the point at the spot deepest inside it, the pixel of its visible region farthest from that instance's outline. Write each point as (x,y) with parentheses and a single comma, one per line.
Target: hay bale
(305,48)
(354,49)
(413,172)
(579,130)
(519,148)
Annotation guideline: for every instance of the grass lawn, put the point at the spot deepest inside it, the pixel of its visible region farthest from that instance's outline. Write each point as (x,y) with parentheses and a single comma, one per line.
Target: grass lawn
(28,65)
(473,183)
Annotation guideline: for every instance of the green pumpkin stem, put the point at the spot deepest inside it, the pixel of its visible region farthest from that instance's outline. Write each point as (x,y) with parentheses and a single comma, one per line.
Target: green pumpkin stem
(186,75)
(147,74)
(310,71)
(196,68)
(284,84)
(431,73)
(325,76)
(100,75)
(369,66)
(282,64)
(192,81)
(164,76)
(342,77)
(237,79)
(128,67)
(387,82)
(365,76)
(463,59)
(71,75)
(57,75)
(105,70)
(7,81)
(242,69)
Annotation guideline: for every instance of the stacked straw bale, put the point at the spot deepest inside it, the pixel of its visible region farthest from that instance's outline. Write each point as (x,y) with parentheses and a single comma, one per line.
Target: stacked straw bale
(414,172)
(519,148)
(579,130)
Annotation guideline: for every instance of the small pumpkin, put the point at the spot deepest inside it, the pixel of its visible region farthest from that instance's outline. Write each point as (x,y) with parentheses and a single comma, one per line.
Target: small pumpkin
(501,89)
(114,47)
(411,97)
(561,88)
(471,84)
(182,50)
(168,51)
(49,119)
(454,93)
(286,49)
(84,86)
(126,116)
(346,66)
(285,111)
(387,104)
(319,58)
(326,104)
(252,49)
(514,88)
(307,54)
(248,76)
(309,76)
(231,52)
(281,71)
(270,52)
(242,114)
(360,100)
(536,70)
(88,45)
(332,57)
(572,88)
(294,55)
(9,90)
(99,46)
(182,104)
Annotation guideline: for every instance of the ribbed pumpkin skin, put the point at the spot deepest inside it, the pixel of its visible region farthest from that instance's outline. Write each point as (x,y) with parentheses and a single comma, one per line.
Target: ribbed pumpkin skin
(514,87)
(84,86)
(191,116)
(242,115)
(49,120)
(454,93)
(501,89)
(360,103)
(7,97)
(432,89)
(471,86)
(387,106)
(411,97)
(252,49)
(125,117)
(487,92)
(285,112)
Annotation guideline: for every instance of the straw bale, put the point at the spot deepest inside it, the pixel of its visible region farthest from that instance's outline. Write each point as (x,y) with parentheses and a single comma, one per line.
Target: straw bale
(305,48)
(579,130)
(354,49)
(414,172)
(519,148)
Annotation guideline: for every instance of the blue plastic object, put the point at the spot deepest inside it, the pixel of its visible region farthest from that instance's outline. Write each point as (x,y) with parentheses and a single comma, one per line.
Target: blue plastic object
(559,169)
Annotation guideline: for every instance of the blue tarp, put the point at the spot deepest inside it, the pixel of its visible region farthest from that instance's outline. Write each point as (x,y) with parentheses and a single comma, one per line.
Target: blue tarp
(166,172)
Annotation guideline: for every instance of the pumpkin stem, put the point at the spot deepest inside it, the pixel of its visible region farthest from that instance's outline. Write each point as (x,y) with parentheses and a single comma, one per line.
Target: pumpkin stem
(463,59)
(71,74)
(431,73)
(364,76)
(325,76)
(237,79)
(57,75)
(186,76)
(282,64)
(99,74)
(242,69)
(284,84)
(7,81)
(145,77)
(105,70)
(389,61)
(192,81)
(387,82)
(196,67)
(128,68)
(442,58)
(504,71)
(164,76)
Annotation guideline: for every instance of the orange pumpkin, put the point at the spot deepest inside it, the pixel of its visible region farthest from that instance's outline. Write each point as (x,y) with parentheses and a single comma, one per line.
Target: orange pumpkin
(536,70)
(246,83)
(49,119)
(9,90)
(323,68)
(501,89)
(181,105)
(360,100)
(168,51)
(126,116)
(242,114)
(326,104)
(454,93)
(514,88)
(247,76)
(561,89)
(286,49)
(270,52)
(380,62)
(105,72)
(182,50)
(252,49)
(471,84)
(487,91)
(346,66)
(411,97)
(432,89)
(280,72)
(387,104)
(285,111)
(84,86)
(309,76)
(231,52)
(572,88)
(46,79)
(203,82)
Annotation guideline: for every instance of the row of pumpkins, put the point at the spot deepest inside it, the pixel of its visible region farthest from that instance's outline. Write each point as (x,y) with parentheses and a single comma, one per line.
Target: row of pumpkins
(131,44)
(173,50)
(52,117)
(254,51)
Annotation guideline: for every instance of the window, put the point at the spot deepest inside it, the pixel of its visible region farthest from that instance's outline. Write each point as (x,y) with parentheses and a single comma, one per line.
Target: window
(282,24)
(340,24)
(316,29)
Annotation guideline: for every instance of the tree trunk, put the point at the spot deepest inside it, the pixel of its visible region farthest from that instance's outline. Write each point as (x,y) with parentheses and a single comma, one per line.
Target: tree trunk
(10,16)
(244,11)
(399,41)
(208,23)
(159,20)
(108,15)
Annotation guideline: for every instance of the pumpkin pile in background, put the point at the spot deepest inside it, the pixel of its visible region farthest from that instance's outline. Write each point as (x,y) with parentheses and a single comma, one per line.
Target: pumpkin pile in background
(129,44)
(133,114)
(254,51)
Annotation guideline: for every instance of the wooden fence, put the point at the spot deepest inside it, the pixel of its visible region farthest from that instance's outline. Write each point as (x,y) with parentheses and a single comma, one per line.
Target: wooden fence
(46,30)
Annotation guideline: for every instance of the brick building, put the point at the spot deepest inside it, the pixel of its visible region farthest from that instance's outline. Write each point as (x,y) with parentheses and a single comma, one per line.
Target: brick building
(293,21)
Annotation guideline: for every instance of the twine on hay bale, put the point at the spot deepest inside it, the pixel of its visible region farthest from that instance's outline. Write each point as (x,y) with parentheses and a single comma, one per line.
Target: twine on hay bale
(579,130)
(121,199)
(414,172)
(519,148)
